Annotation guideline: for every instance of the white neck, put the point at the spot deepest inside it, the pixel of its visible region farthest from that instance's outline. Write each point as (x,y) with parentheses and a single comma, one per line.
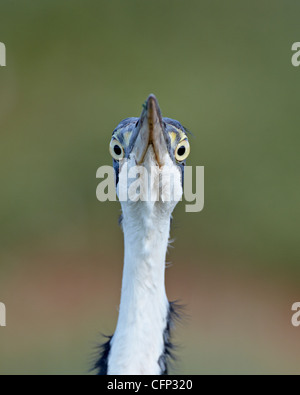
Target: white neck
(138,340)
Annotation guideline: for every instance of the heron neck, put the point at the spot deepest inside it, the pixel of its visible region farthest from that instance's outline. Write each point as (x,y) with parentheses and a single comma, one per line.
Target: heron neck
(138,341)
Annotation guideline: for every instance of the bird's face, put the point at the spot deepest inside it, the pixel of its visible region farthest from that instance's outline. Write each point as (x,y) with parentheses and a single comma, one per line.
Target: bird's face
(159,145)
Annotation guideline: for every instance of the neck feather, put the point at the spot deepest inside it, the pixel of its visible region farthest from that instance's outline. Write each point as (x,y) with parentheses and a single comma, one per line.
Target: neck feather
(138,342)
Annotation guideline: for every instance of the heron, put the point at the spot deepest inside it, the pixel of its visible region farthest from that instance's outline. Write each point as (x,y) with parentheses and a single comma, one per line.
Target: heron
(141,343)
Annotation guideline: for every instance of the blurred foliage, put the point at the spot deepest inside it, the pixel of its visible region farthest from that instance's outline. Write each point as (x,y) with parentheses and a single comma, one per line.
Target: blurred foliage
(223,69)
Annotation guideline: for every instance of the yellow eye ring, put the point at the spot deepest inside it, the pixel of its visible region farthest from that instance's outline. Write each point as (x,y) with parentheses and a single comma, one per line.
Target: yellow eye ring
(182,150)
(116,149)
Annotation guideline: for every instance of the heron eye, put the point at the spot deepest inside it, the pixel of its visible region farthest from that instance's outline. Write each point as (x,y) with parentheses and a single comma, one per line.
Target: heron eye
(116,149)
(182,150)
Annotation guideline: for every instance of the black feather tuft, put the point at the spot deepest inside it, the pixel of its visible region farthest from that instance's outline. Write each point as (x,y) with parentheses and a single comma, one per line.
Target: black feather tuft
(187,131)
(120,220)
(168,354)
(102,363)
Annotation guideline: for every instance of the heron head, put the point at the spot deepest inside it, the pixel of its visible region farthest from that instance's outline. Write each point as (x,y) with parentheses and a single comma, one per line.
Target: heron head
(158,145)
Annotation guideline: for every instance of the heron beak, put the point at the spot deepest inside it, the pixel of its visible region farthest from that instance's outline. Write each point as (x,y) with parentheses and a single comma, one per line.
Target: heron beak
(151,132)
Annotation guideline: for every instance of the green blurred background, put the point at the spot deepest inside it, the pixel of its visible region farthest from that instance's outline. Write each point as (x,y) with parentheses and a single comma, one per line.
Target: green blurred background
(223,69)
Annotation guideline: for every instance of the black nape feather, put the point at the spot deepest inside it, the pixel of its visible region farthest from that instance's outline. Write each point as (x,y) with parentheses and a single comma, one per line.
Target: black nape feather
(120,220)
(102,363)
(168,355)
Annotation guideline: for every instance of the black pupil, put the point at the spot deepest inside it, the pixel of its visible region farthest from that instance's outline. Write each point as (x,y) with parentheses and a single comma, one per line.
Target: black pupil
(181,150)
(117,150)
